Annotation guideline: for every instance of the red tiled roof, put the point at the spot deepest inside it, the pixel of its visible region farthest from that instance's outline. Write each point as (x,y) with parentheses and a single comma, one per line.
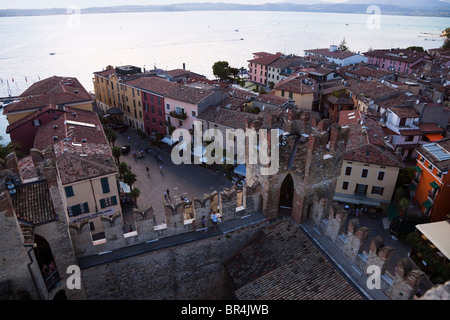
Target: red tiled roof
(266,59)
(363,71)
(225,117)
(296,85)
(187,93)
(54,90)
(430,128)
(372,89)
(280,263)
(152,84)
(80,145)
(404,55)
(405,112)
(349,116)
(105,73)
(335,54)
(366,144)
(62,128)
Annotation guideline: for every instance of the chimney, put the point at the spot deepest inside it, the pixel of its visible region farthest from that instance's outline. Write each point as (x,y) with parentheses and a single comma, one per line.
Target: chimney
(333,48)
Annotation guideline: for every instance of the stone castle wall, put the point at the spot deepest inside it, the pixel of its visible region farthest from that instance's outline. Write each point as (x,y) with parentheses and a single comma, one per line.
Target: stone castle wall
(193,271)
(402,285)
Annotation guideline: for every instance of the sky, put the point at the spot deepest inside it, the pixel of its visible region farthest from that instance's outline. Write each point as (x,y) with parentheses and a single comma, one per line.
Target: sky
(38,4)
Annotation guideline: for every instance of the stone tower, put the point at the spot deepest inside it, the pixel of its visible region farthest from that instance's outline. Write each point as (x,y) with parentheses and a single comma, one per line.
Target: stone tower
(311,152)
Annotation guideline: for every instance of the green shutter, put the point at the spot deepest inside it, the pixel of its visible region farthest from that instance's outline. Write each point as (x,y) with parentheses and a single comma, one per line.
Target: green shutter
(69,191)
(434,185)
(86,207)
(105,185)
(76,210)
(102,203)
(114,200)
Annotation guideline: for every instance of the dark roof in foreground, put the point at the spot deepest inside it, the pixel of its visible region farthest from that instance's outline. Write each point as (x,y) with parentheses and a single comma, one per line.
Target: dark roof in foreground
(282,264)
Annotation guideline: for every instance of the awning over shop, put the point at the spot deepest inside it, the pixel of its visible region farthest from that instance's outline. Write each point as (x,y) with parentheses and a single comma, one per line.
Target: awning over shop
(125,187)
(434,185)
(168,141)
(427,204)
(114,111)
(240,170)
(353,200)
(437,233)
(434,137)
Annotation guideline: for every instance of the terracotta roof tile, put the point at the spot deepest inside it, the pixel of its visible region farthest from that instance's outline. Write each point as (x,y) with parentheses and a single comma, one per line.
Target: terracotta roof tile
(282,264)
(335,54)
(33,203)
(265,59)
(296,85)
(408,56)
(366,144)
(54,90)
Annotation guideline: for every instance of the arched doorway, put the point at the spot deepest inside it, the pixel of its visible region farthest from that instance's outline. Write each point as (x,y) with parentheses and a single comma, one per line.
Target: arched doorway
(286,196)
(46,262)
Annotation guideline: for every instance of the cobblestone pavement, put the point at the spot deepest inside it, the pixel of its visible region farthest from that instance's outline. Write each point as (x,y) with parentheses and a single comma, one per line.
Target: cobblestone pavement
(188,180)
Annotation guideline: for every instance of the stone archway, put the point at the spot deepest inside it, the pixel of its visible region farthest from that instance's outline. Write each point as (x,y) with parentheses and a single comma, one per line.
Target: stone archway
(46,262)
(286,196)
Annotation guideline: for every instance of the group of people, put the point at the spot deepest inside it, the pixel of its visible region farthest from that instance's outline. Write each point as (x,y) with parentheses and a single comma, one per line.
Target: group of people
(48,270)
(215,219)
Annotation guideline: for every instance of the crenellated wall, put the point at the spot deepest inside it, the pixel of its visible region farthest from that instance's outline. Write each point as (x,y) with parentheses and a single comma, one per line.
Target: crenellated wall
(402,285)
(180,217)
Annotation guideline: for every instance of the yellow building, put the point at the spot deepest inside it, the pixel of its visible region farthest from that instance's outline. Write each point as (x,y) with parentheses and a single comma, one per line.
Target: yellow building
(85,167)
(370,169)
(301,90)
(112,91)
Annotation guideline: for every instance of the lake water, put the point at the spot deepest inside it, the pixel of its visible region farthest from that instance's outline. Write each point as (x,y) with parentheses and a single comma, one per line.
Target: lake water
(87,43)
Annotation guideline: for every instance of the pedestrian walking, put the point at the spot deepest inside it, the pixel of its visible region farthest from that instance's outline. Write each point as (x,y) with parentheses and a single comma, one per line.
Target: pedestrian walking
(161,169)
(148,171)
(214,220)
(165,195)
(204,225)
(168,194)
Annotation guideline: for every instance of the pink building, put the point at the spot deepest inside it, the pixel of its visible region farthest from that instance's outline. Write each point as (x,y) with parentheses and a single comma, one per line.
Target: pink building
(183,103)
(259,64)
(398,60)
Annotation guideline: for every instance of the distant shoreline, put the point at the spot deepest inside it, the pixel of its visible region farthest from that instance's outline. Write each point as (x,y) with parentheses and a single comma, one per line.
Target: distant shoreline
(275,7)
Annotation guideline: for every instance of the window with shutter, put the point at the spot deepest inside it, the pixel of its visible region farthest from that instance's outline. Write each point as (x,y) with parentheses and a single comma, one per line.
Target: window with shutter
(69,191)
(105,185)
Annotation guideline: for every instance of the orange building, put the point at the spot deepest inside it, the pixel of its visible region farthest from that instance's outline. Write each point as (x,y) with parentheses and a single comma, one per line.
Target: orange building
(430,187)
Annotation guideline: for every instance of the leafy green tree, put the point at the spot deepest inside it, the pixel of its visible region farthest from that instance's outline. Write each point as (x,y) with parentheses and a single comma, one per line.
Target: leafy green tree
(343,46)
(446,34)
(116,152)
(129,178)
(135,193)
(416,48)
(221,69)
(123,168)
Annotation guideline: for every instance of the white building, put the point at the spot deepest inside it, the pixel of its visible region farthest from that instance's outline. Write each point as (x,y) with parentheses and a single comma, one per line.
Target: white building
(341,58)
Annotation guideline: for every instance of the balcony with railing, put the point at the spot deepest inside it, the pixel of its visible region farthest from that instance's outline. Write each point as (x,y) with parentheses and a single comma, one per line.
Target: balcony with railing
(178,114)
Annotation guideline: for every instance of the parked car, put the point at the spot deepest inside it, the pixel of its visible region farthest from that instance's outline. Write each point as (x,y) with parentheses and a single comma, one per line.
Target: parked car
(126,149)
